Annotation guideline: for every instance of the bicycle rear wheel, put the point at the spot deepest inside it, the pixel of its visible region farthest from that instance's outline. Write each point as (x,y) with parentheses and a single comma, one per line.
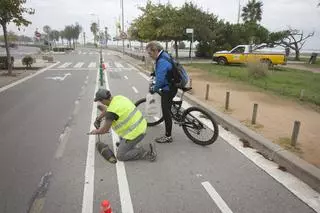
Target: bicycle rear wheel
(152,121)
(199,126)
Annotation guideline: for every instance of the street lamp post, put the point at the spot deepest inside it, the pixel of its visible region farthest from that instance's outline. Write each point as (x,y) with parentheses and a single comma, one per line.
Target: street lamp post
(122,26)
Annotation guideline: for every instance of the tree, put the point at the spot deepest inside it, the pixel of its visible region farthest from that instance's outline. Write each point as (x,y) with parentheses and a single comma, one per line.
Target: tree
(68,33)
(12,11)
(76,30)
(55,34)
(62,36)
(47,30)
(94,29)
(294,39)
(252,12)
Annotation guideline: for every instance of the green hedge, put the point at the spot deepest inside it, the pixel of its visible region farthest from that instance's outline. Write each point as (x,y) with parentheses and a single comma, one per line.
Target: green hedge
(4,62)
(61,49)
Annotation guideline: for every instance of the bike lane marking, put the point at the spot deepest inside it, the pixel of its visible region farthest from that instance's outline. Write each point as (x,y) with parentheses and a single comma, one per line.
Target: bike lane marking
(125,197)
(216,197)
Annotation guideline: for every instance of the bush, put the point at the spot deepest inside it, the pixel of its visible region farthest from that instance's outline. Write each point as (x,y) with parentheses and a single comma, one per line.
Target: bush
(27,61)
(44,48)
(4,62)
(257,69)
(204,50)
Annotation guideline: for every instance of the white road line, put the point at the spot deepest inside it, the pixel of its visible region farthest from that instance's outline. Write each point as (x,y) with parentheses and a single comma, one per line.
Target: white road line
(79,65)
(87,200)
(125,198)
(135,90)
(109,65)
(144,76)
(28,77)
(216,197)
(91,53)
(118,65)
(92,65)
(132,67)
(126,77)
(84,53)
(65,65)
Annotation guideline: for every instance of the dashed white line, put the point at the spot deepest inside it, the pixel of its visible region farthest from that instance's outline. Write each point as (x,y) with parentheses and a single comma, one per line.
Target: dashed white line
(125,198)
(144,76)
(216,197)
(132,67)
(92,65)
(118,65)
(126,77)
(65,65)
(135,90)
(79,65)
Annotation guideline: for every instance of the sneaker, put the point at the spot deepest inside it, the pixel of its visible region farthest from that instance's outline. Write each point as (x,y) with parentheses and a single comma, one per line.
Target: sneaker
(164,139)
(151,155)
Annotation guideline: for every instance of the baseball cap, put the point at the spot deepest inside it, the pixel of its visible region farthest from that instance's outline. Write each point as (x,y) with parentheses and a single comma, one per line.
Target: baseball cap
(102,94)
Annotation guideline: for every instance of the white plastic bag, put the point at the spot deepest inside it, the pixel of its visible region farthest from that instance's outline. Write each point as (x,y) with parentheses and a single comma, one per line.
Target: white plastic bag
(153,105)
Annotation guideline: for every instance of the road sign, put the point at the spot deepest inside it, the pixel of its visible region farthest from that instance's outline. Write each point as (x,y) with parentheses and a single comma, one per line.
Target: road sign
(189,30)
(37,34)
(123,35)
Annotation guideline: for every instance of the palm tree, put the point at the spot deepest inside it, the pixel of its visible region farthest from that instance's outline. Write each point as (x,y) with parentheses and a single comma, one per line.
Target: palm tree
(62,36)
(47,30)
(94,29)
(252,12)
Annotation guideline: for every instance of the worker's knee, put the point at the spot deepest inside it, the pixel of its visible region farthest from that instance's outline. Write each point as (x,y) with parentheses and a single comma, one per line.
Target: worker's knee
(121,156)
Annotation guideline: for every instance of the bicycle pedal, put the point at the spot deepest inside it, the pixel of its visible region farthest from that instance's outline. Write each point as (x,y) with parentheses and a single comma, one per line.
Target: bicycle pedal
(179,123)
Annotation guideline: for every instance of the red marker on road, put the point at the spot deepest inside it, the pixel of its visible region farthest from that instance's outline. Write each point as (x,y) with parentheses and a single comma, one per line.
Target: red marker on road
(105,207)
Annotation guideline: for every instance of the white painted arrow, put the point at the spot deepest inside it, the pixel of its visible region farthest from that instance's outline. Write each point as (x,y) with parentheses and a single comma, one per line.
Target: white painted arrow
(58,77)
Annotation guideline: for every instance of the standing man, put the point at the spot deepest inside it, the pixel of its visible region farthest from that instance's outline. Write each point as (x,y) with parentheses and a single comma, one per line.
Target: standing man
(127,121)
(163,77)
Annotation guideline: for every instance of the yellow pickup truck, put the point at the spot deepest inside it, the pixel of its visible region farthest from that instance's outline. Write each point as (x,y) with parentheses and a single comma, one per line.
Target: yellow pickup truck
(243,54)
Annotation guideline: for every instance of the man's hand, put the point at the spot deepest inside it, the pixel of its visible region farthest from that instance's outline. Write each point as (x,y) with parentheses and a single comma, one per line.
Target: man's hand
(94,132)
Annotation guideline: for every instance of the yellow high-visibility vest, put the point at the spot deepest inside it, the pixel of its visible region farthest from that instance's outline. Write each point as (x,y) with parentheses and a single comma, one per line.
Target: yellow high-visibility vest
(130,123)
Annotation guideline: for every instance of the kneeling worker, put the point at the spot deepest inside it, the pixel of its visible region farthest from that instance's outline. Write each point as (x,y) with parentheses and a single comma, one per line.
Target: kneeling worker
(127,121)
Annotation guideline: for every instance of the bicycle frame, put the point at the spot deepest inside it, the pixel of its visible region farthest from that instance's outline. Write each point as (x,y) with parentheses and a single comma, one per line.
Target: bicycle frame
(177,116)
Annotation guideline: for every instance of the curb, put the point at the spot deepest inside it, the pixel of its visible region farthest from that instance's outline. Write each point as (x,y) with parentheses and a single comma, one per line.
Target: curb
(303,170)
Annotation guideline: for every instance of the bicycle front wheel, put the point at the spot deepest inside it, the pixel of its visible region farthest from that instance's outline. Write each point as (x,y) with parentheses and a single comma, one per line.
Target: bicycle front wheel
(152,121)
(199,126)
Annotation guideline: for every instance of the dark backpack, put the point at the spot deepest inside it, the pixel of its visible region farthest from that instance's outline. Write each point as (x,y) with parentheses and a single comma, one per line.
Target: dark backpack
(180,77)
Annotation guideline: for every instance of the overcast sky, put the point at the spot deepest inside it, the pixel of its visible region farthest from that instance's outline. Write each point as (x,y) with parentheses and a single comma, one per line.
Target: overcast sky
(277,14)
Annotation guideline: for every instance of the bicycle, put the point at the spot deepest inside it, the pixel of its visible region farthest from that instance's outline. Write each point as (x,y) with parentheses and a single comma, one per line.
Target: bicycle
(192,119)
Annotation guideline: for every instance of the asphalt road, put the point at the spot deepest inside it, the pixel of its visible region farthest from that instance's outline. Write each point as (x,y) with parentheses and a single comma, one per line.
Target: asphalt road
(48,163)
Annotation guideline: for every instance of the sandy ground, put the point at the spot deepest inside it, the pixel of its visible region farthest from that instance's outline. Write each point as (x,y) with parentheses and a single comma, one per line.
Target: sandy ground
(276,115)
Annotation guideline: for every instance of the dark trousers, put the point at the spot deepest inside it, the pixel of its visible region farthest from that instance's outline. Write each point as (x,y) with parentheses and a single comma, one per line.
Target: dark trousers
(166,104)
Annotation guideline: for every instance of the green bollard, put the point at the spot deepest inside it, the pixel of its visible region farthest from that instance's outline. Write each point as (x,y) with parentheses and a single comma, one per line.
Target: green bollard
(101,76)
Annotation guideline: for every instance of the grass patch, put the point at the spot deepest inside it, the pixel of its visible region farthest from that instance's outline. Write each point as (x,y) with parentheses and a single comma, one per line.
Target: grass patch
(286,144)
(282,81)
(306,62)
(254,127)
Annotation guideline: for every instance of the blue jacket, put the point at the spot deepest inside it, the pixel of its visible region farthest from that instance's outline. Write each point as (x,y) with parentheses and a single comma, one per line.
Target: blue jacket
(163,68)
